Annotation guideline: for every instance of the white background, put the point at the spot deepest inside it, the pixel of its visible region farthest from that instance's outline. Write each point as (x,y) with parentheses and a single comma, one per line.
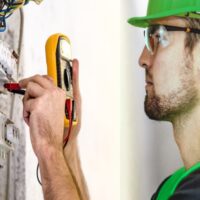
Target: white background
(93,28)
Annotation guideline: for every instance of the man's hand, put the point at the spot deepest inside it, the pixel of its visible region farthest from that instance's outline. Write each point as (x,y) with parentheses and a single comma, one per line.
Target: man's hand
(43,111)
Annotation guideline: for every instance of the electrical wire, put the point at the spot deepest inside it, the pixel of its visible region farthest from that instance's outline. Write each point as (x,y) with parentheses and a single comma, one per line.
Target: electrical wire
(8,7)
(6,10)
(1,4)
(69,110)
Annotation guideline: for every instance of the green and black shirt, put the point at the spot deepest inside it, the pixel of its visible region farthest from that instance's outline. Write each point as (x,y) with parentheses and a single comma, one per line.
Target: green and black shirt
(181,185)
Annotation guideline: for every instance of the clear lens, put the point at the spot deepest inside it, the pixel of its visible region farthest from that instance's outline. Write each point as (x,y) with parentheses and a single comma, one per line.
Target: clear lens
(155,35)
(147,38)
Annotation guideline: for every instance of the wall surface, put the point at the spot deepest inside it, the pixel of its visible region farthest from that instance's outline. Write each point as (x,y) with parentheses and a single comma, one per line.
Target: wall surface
(93,27)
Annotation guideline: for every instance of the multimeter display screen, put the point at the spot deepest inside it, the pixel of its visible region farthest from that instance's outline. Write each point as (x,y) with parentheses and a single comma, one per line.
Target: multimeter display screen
(64,68)
(65,49)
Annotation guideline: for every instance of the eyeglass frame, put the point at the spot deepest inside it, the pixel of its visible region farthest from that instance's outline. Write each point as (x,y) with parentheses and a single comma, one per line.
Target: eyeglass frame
(177,28)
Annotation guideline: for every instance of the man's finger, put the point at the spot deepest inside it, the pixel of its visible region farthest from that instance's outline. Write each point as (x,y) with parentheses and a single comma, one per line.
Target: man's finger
(42,81)
(34,90)
(26,97)
(76,90)
(29,105)
(48,78)
(26,116)
(75,80)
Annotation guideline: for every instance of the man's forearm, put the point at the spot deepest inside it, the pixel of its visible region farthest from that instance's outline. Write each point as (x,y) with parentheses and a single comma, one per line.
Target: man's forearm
(73,161)
(57,181)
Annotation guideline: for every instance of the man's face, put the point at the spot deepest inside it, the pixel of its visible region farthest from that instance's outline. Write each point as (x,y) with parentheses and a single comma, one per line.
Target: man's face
(171,76)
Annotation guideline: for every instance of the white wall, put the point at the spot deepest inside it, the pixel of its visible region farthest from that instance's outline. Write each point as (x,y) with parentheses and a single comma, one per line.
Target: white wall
(93,27)
(148,152)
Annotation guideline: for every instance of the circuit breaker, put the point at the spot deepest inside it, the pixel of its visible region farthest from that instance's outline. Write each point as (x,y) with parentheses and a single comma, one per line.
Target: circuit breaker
(9,139)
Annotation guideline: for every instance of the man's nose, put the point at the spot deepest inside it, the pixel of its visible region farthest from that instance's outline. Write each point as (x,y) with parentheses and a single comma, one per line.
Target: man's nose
(146,59)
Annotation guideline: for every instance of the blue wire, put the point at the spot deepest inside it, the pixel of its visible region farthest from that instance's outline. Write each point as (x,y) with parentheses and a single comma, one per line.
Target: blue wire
(8,15)
(2,29)
(8,11)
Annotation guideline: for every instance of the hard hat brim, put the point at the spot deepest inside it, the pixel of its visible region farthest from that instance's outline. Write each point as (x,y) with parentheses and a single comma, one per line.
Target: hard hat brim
(144,22)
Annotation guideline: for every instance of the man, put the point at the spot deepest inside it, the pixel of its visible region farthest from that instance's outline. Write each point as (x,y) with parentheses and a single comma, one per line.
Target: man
(43,111)
(172,65)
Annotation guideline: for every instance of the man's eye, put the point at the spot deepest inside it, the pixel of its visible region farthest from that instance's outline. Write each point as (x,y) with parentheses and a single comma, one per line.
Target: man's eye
(157,36)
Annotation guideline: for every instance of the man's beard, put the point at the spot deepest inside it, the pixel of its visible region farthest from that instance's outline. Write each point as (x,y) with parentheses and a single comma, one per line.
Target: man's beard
(167,107)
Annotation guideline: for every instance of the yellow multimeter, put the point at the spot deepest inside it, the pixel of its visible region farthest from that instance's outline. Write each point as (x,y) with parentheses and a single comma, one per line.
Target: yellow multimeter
(59,67)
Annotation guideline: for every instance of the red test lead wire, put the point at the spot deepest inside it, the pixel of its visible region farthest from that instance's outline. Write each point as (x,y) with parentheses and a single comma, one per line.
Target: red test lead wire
(69,110)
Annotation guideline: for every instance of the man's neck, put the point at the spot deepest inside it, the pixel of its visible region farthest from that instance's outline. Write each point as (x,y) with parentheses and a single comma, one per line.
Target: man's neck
(187,136)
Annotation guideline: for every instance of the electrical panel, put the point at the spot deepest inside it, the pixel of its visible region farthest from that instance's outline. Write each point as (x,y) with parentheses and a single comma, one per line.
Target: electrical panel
(12,139)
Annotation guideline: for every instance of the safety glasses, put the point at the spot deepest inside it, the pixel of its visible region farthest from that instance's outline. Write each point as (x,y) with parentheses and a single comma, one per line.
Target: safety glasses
(158,35)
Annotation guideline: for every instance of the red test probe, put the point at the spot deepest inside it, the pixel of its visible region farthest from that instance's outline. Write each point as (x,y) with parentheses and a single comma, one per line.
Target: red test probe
(14,88)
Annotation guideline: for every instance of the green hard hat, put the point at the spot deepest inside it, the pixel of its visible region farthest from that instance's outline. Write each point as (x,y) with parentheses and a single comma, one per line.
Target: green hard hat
(165,8)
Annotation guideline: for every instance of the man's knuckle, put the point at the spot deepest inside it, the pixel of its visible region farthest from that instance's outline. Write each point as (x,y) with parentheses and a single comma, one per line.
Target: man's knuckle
(37,76)
(29,85)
